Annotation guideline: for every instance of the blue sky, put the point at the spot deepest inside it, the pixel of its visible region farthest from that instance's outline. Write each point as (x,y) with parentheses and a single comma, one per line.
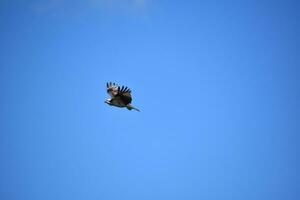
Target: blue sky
(217,83)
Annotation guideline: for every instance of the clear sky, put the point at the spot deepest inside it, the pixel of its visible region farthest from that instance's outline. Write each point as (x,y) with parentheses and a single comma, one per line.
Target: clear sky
(217,83)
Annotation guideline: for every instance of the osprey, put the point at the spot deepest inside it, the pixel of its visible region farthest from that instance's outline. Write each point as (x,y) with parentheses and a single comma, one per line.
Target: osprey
(120,96)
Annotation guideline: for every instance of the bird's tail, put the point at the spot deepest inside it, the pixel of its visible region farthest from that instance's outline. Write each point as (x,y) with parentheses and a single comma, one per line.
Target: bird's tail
(130,107)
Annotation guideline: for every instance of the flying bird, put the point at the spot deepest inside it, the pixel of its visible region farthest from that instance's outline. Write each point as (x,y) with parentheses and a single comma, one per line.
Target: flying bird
(120,96)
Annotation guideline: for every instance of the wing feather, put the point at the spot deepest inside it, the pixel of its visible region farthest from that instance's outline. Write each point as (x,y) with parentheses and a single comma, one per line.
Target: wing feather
(112,89)
(125,95)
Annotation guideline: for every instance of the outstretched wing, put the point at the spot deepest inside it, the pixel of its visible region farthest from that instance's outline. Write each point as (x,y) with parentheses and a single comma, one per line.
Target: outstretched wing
(112,89)
(124,94)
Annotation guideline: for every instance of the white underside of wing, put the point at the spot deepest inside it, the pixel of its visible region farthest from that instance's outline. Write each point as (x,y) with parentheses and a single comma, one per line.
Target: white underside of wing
(111,94)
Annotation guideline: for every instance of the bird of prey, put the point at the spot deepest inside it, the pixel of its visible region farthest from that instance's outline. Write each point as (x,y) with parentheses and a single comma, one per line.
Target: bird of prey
(120,96)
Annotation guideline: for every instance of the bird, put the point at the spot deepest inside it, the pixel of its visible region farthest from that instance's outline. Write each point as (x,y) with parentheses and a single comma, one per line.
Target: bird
(120,96)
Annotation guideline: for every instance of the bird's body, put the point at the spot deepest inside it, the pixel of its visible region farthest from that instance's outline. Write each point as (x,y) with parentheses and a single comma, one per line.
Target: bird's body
(120,96)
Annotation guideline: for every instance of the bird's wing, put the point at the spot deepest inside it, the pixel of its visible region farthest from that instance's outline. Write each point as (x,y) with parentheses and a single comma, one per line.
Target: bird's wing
(125,94)
(117,101)
(112,89)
